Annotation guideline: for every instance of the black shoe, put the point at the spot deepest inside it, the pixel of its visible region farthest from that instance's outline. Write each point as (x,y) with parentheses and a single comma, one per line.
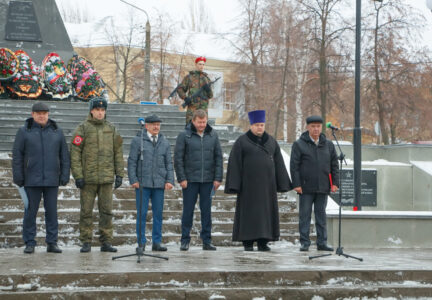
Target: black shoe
(53,248)
(324,247)
(263,247)
(184,246)
(304,248)
(158,247)
(86,247)
(106,247)
(29,249)
(209,246)
(140,250)
(248,248)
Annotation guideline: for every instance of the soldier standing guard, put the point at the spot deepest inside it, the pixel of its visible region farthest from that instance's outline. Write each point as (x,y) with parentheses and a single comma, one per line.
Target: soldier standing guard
(96,157)
(192,83)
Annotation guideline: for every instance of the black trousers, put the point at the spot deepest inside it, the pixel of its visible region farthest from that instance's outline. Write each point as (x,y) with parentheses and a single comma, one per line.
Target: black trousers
(190,196)
(319,202)
(34,195)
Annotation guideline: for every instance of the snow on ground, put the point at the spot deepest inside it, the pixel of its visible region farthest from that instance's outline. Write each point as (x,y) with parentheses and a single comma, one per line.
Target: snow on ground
(379,162)
(286,159)
(4,155)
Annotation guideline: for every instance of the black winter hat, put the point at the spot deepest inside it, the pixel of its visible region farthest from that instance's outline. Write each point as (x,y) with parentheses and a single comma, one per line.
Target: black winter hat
(40,106)
(314,119)
(98,102)
(153,119)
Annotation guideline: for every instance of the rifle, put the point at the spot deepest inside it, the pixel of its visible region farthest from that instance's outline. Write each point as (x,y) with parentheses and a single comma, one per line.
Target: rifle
(188,100)
(173,92)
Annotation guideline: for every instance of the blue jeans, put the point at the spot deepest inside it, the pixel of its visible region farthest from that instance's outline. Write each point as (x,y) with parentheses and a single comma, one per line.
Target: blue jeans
(319,202)
(34,195)
(190,195)
(157,201)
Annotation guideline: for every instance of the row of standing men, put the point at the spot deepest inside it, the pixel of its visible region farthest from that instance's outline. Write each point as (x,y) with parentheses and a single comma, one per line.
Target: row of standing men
(256,172)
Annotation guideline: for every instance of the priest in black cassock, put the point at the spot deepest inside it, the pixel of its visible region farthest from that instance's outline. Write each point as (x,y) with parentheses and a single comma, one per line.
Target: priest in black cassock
(256,172)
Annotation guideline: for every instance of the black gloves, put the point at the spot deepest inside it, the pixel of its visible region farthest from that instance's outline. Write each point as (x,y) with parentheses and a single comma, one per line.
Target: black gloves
(20,183)
(80,183)
(187,102)
(206,87)
(64,182)
(118,182)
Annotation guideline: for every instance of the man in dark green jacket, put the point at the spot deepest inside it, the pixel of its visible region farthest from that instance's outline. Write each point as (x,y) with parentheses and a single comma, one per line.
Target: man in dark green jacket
(96,158)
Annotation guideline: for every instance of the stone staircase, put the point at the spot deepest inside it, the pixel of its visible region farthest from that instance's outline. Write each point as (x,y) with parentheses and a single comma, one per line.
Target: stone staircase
(124,211)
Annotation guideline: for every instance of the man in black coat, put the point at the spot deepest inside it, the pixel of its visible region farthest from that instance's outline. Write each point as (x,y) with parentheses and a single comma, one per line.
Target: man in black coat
(199,169)
(40,163)
(314,166)
(256,172)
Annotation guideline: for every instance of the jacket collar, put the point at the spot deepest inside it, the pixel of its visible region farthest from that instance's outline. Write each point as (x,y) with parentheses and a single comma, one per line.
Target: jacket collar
(305,137)
(190,129)
(94,120)
(258,140)
(197,73)
(29,123)
(146,137)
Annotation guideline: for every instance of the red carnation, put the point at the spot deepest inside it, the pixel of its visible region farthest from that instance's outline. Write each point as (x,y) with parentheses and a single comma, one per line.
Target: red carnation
(4,72)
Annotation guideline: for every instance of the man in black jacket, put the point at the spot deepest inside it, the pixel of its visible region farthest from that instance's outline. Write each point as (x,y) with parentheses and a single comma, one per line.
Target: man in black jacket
(40,163)
(314,165)
(198,165)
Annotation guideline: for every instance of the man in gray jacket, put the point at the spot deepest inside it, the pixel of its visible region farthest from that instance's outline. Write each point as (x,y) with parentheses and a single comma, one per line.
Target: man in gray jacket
(198,165)
(154,172)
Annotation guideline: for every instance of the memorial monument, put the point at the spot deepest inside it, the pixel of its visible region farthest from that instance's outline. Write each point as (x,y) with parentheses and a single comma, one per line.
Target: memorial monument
(35,27)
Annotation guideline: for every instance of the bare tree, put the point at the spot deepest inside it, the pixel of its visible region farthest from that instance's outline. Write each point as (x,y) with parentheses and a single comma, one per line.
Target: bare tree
(72,13)
(393,26)
(127,43)
(198,18)
(328,27)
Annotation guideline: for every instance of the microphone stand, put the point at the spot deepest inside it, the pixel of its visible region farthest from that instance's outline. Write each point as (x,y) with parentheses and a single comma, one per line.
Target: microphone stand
(139,251)
(339,250)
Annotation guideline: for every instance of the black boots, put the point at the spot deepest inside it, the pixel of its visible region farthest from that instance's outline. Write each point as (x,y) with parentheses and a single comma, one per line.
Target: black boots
(29,249)
(53,248)
(107,247)
(86,247)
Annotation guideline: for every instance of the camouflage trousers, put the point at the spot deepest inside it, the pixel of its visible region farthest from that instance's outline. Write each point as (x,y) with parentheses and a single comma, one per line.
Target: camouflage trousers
(196,104)
(88,194)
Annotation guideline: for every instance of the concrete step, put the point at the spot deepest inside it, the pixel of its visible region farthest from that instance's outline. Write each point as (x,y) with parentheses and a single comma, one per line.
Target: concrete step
(218,239)
(365,293)
(119,216)
(257,284)
(6,104)
(118,194)
(67,121)
(226,204)
(11,229)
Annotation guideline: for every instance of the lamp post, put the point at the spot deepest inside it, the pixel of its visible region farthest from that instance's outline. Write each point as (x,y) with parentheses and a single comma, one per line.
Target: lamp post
(147,54)
(357,129)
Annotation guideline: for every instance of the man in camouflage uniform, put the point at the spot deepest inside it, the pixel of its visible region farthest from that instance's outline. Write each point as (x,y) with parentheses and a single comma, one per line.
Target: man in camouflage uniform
(96,157)
(191,84)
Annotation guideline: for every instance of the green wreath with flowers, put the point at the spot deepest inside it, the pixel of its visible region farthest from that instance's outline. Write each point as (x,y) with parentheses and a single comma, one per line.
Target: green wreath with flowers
(9,64)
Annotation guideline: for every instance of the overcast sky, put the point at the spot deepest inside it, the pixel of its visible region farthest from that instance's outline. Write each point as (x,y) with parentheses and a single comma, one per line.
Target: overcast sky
(223,12)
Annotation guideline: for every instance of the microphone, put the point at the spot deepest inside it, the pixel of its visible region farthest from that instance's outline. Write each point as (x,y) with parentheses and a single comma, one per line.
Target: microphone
(141,121)
(329,125)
